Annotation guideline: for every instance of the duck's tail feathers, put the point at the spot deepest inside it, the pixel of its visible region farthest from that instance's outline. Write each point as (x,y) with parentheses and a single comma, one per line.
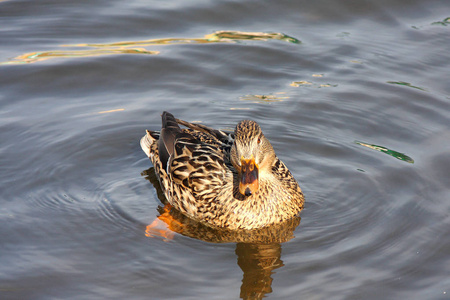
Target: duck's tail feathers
(147,140)
(166,142)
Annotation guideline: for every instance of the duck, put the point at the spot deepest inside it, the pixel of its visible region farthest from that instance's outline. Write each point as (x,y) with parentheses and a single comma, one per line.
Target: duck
(230,180)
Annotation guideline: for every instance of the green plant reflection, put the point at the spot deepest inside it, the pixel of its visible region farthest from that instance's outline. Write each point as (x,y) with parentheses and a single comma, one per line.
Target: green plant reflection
(390,152)
(444,22)
(406,84)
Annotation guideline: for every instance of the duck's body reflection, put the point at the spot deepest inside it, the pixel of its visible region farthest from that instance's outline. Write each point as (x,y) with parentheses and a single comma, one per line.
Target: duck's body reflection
(258,251)
(258,261)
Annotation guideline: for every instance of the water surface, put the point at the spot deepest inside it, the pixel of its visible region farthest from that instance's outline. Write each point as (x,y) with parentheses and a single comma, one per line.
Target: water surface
(354,97)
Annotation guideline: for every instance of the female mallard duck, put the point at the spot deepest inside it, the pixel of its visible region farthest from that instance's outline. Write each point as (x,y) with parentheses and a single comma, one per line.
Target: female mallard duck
(230,180)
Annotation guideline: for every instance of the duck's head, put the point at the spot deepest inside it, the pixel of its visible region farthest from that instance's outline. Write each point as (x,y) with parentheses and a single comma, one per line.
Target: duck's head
(252,156)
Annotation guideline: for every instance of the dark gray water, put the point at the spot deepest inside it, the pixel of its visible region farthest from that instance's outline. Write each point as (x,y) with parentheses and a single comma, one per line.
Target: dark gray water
(354,96)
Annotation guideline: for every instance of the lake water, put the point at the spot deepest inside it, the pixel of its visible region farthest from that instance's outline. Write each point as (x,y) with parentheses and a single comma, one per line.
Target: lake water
(353,95)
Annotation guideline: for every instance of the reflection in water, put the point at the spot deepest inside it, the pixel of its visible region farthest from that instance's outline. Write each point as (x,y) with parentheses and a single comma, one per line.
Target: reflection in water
(308,83)
(216,37)
(258,261)
(265,98)
(41,56)
(110,111)
(392,153)
(302,83)
(406,84)
(258,251)
(240,35)
(129,47)
(444,22)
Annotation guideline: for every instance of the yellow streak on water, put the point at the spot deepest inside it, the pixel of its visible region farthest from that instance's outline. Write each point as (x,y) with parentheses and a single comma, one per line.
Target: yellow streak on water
(300,83)
(130,47)
(33,57)
(110,111)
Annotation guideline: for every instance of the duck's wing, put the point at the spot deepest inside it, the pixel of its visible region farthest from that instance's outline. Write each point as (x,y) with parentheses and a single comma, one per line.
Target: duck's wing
(286,178)
(197,167)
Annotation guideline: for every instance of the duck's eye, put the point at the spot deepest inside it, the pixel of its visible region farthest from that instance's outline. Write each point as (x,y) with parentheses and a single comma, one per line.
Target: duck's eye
(259,140)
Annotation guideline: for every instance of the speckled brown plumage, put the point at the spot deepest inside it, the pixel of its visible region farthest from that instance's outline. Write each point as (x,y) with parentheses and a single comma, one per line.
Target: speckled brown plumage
(229,180)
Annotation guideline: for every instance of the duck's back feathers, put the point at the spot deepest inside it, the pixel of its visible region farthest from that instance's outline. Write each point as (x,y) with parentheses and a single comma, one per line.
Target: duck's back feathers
(222,136)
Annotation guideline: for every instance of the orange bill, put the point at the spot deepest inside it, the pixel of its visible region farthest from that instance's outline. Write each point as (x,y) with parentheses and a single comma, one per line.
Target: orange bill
(248,183)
